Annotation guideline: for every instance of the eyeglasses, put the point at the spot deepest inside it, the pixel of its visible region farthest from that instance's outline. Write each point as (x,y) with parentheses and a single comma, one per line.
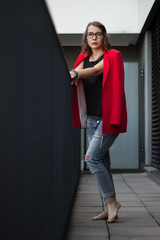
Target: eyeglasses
(97,35)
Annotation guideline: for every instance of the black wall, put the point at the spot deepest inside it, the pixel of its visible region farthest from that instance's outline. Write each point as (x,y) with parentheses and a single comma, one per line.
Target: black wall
(155,30)
(39,150)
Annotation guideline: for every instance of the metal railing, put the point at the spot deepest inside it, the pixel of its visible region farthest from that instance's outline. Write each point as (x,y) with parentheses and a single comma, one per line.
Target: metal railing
(156,93)
(39,149)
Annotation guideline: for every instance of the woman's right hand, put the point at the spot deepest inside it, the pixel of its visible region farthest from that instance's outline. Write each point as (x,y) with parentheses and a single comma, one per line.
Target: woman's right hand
(73,77)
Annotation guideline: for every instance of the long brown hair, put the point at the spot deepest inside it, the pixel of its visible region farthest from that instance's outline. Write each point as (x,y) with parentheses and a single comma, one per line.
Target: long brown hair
(106,45)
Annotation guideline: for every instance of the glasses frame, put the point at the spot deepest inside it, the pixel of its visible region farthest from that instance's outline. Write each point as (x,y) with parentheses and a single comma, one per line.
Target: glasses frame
(95,34)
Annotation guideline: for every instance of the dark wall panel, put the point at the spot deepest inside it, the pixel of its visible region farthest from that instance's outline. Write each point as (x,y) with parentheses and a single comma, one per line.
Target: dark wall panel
(39,150)
(156,92)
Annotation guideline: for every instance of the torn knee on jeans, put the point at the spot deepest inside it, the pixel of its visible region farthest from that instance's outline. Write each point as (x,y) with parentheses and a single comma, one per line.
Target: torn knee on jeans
(87,158)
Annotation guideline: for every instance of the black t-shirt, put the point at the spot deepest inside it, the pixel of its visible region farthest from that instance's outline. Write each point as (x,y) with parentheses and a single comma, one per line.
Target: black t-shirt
(93,90)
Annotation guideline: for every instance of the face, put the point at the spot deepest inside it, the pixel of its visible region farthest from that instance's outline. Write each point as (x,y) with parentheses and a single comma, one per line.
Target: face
(94,41)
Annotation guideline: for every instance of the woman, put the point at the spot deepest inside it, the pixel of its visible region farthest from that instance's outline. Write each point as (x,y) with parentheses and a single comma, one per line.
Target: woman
(99,104)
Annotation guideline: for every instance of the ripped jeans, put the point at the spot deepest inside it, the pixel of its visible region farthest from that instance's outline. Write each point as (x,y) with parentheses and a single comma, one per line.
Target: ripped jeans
(98,154)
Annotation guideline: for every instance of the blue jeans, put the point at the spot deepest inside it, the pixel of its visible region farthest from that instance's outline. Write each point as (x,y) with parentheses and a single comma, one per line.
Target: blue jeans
(98,153)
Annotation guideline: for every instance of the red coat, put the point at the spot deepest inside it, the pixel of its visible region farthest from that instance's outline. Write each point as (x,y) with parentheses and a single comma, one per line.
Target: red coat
(114,113)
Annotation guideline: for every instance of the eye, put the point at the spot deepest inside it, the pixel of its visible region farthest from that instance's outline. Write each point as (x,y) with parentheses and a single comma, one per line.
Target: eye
(90,34)
(99,34)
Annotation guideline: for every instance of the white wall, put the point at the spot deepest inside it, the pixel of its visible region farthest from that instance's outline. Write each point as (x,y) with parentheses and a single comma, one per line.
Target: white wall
(144,9)
(119,16)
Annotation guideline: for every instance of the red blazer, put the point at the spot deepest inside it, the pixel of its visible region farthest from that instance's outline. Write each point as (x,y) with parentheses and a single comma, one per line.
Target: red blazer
(114,113)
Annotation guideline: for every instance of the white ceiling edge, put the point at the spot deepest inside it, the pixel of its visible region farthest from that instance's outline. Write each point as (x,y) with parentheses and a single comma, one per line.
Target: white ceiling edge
(118,16)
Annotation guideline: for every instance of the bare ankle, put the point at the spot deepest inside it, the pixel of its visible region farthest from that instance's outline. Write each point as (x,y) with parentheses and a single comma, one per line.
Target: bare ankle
(111,200)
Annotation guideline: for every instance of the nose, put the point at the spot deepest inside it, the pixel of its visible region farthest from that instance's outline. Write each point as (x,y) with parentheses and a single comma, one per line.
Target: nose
(94,36)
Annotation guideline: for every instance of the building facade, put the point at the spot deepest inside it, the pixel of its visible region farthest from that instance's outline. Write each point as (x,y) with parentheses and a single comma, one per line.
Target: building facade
(133,28)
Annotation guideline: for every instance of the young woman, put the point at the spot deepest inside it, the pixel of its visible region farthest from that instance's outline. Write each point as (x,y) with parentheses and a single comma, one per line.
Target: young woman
(99,104)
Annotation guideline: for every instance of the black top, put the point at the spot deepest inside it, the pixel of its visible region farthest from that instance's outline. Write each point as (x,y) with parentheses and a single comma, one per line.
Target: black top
(93,90)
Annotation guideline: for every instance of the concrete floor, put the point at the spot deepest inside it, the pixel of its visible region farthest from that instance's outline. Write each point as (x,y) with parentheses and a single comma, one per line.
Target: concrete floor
(139,216)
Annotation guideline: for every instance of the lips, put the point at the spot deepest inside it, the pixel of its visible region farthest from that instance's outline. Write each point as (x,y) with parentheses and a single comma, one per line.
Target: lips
(94,43)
